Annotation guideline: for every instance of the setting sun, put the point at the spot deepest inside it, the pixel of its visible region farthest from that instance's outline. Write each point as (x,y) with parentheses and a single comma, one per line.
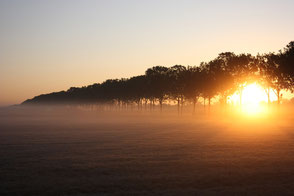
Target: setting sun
(253,94)
(253,99)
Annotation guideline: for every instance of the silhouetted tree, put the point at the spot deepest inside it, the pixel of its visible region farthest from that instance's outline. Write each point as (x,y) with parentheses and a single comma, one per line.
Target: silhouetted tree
(194,84)
(220,77)
(176,80)
(157,81)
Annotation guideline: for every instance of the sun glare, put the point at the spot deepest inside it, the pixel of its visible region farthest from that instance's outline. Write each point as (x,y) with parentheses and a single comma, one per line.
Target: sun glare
(253,94)
(253,100)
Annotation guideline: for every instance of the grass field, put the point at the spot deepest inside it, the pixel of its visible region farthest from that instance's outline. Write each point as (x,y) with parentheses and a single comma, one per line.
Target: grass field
(73,152)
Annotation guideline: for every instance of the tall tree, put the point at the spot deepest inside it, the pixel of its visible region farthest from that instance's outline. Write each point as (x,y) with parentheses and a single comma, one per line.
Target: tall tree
(194,84)
(157,81)
(177,83)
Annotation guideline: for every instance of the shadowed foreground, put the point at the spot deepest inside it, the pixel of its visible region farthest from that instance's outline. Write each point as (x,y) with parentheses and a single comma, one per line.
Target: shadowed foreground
(53,152)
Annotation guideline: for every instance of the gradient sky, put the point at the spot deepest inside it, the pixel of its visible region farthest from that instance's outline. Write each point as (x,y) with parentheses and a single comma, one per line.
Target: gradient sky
(52,45)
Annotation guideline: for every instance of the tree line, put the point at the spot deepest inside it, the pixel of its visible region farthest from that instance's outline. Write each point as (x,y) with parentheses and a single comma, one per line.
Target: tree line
(221,77)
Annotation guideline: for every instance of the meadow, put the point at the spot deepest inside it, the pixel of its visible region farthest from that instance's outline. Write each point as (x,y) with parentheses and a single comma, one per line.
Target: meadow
(57,151)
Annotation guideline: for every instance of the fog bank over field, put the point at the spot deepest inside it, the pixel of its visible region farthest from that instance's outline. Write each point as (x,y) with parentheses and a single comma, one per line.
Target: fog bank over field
(77,151)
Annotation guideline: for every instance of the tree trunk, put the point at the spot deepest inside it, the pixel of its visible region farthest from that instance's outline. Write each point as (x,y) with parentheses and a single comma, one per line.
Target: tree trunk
(138,102)
(194,105)
(278,96)
(178,99)
(209,101)
(277,92)
(145,105)
(182,103)
(204,102)
(150,102)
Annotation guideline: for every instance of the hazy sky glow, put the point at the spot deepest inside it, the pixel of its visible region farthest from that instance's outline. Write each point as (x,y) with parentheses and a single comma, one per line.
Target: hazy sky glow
(52,45)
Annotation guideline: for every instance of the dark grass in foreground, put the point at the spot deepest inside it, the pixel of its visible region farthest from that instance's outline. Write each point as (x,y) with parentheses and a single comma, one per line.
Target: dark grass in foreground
(72,152)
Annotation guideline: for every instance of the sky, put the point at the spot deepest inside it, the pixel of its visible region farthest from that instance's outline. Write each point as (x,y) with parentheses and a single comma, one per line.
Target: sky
(52,45)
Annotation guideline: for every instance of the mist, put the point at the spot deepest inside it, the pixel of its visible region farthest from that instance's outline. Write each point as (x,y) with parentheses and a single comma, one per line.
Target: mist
(61,150)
